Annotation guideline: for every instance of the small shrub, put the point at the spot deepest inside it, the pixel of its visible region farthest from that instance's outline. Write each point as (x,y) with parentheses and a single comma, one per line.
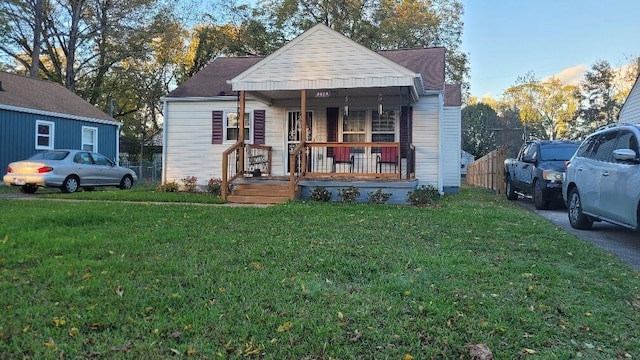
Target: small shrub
(378,197)
(214,186)
(320,193)
(190,184)
(169,186)
(423,195)
(349,195)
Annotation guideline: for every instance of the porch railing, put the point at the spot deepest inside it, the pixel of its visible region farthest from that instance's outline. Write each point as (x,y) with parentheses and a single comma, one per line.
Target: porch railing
(297,167)
(323,159)
(230,168)
(411,162)
(258,159)
(363,160)
(256,162)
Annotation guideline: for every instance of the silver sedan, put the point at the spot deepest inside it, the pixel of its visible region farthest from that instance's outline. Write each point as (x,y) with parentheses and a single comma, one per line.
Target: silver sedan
(69,170)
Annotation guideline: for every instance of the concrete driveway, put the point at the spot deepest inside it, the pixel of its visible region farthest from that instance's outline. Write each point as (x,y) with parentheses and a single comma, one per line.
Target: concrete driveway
(621,242)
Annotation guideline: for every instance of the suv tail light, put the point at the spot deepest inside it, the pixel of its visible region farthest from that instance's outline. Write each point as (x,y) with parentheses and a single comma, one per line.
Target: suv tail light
(9,170)
(566,164)
(45,169)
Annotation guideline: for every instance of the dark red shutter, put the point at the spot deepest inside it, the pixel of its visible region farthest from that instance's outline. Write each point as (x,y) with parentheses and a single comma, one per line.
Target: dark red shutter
(258,127)
(406,123)
(216,127)
(332,127)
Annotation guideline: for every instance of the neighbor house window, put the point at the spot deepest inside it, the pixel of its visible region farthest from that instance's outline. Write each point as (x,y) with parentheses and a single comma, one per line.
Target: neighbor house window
(44,135)
(231,123)
(90,139)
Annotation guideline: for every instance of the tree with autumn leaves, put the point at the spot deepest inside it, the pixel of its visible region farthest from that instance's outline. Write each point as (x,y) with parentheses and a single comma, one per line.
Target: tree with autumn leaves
(548,109)
(124,55)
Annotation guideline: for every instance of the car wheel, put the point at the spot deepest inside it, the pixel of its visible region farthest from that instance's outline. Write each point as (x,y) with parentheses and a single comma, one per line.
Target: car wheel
(28,189)
(70,184)
(577,219)
(538,196)
(511,194)
(126,183)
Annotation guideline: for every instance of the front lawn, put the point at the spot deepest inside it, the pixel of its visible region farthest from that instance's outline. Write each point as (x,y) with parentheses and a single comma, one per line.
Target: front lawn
(307,280)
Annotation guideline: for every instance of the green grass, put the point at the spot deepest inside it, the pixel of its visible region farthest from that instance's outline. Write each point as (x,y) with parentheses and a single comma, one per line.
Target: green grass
(140,192)
(307,281)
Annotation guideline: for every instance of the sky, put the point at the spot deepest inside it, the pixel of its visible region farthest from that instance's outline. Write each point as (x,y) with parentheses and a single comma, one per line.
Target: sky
(506,39)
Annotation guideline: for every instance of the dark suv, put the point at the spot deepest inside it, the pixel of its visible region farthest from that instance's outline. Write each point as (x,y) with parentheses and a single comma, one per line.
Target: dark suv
(602,180)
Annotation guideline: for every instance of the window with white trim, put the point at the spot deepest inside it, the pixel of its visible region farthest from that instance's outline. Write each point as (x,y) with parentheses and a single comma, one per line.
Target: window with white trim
(383,126)
(231,123)
(354,126)
(90,139)
(368,125)
(44,135)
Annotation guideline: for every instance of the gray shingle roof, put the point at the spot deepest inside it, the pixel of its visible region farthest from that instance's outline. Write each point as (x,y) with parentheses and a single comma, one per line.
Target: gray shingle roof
(46,96)
(212,79)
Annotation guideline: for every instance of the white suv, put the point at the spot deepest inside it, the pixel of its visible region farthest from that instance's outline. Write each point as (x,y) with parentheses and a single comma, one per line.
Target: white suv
(602,179)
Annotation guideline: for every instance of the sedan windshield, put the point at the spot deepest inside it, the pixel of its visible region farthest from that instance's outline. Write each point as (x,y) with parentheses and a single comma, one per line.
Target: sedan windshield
(557,153)
(50,155)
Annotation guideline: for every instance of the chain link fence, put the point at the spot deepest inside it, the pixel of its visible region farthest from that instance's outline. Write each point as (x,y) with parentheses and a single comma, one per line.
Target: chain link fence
(147,171)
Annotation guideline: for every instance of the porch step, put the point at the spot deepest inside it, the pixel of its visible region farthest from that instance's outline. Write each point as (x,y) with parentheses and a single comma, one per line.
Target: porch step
(260,193)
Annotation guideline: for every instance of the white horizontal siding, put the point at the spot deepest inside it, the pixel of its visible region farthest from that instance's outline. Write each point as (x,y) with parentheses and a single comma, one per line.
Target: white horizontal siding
(630,112)
(451,130)
(321,59)
(274,137)
(188,147)
(426,135)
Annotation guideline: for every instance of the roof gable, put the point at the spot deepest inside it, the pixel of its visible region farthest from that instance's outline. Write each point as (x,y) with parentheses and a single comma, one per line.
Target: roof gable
(322,58)
(20,92)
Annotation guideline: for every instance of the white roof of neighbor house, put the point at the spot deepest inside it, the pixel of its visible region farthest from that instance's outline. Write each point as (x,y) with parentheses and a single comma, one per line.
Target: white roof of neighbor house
(321,58)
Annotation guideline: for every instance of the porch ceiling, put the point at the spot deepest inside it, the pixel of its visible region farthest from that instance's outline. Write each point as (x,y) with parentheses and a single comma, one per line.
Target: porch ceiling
(336,94)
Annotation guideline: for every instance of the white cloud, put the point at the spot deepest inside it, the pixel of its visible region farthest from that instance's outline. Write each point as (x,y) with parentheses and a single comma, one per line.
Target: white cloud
(575,75)
(570,76)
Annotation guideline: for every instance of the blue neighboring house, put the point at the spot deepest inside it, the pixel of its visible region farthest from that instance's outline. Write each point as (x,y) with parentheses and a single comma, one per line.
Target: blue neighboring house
(39,115)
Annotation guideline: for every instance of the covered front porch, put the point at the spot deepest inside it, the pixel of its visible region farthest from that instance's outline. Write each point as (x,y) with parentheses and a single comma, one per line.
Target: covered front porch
(248,178)
(341,110)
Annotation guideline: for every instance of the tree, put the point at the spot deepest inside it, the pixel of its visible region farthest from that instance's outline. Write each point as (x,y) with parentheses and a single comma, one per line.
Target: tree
(601,99)
(478,134)
(545,108)
(22,23)
(381,25)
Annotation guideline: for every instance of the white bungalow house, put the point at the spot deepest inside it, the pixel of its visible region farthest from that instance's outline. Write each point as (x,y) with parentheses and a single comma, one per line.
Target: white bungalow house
(320,111)
(630,112)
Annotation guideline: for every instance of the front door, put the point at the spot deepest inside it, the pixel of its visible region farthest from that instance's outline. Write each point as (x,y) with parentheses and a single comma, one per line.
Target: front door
(294,132)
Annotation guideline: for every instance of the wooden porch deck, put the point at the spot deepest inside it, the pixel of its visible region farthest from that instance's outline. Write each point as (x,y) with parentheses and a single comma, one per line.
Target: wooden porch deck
(247,173)
(275,189)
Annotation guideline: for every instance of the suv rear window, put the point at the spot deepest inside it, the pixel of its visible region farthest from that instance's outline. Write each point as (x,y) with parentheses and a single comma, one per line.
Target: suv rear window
(557,152)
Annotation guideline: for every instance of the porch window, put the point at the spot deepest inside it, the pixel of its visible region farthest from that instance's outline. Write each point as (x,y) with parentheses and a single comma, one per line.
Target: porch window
(354,128)
(231,127)
(361,125)
(90,139)
(44,135)
(383,127)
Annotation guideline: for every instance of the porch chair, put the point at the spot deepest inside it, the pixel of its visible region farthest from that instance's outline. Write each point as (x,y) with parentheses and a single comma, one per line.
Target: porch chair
(342,155)
(388,155)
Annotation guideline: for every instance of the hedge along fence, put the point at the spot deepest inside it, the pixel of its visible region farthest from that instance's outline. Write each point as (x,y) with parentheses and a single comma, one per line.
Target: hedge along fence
(488,171)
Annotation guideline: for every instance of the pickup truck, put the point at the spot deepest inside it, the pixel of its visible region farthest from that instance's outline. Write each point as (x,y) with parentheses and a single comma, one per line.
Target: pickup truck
(538,171)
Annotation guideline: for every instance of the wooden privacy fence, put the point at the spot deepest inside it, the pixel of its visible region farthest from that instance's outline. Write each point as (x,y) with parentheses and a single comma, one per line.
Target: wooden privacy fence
(488,171)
